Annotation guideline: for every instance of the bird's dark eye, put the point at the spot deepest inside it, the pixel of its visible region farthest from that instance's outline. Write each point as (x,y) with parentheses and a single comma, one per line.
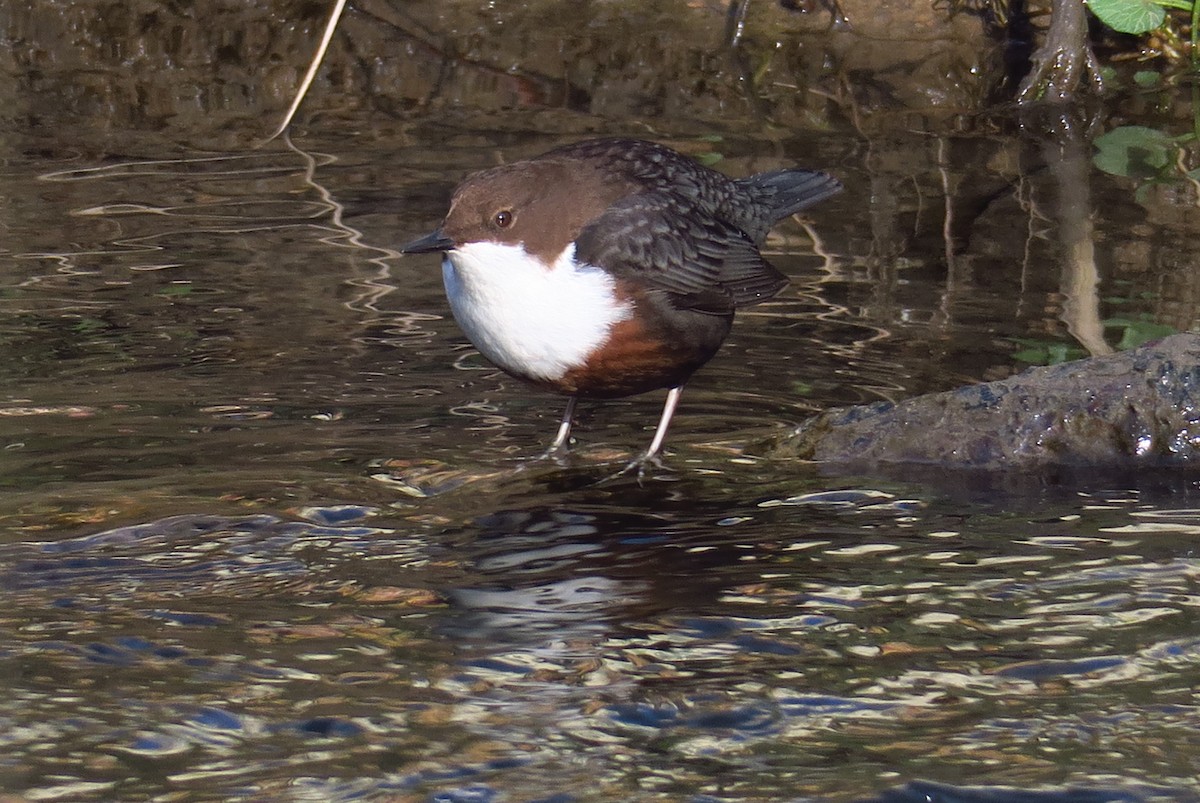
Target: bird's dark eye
(503,219)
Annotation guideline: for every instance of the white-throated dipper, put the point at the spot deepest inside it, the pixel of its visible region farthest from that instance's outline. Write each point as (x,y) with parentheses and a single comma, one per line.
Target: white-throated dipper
(610,267)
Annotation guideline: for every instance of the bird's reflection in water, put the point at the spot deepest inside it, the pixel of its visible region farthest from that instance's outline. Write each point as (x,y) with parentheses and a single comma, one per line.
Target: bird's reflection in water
(560,575)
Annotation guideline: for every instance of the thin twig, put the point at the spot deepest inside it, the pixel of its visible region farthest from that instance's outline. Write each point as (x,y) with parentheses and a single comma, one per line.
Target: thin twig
(326,38)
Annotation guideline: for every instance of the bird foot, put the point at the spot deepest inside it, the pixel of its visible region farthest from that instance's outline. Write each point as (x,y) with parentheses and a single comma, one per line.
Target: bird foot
(558,454)
(639,466)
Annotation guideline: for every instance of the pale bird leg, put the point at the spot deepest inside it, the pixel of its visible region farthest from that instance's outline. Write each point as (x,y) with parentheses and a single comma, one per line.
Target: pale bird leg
(559,444)
(650,456)
(664,422)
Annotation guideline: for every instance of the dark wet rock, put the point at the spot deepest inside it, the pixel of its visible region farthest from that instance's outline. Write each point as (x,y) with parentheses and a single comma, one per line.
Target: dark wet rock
(1132,409)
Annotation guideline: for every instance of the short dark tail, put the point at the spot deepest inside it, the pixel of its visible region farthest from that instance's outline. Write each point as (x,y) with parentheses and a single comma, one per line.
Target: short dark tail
(786,192)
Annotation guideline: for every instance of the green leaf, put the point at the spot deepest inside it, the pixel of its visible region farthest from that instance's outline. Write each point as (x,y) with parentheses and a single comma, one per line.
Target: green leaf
(1142,194)
(1129,16)
(1045,352)
(1136,332)
(1134,151)
(1182,5)
(1147,79)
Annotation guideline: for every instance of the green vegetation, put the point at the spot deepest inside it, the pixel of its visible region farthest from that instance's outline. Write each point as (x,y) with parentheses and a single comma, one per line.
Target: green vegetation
(1137,331)
(1122,332)
(1146,155)
(1136,16)
(1144,16)
(1036,351)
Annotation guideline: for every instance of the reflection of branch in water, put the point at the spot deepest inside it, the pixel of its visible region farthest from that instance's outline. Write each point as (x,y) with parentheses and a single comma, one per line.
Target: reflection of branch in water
(818,246)
(240,216)
(239,212)
(353,237)
(226,165)
(1182,164)
(950,292)
(1070,167)
(400,322)
(1026,199)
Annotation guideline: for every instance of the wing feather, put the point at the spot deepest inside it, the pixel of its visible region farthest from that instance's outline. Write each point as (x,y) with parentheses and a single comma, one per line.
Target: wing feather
(657,239)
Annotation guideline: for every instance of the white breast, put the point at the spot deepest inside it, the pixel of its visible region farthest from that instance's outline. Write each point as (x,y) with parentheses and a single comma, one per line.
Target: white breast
(526,317)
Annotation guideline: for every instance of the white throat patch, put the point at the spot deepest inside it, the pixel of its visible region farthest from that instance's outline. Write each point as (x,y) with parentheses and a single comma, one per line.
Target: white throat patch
(530,318)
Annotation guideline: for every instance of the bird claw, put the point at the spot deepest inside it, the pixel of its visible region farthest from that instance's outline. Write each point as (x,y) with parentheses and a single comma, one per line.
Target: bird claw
(638,464)
(558,454)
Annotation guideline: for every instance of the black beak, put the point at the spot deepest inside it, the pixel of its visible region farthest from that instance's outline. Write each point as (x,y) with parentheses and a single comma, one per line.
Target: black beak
(431,243)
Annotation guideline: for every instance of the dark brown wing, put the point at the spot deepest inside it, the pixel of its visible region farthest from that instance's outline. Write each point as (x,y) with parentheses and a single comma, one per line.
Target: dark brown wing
(661,240)
(752,204)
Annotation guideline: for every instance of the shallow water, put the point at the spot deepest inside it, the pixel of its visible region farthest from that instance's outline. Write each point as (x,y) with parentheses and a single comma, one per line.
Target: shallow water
(265,531)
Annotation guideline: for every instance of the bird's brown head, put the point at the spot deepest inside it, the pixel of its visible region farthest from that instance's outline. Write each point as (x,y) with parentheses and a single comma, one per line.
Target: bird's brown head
(541,205)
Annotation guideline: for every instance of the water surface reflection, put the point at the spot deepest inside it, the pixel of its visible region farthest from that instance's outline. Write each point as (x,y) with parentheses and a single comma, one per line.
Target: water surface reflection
(818,642)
